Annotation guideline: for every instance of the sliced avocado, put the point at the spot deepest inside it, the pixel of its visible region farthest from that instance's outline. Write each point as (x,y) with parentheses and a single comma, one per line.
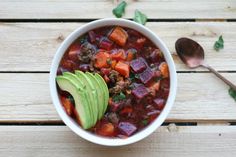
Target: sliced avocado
(73,76)
(70,86)
(105,90)
(92,93)
(82,87)
(100,93)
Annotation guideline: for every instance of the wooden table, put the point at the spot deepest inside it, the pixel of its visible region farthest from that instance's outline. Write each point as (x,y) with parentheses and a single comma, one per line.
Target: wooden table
(202,121)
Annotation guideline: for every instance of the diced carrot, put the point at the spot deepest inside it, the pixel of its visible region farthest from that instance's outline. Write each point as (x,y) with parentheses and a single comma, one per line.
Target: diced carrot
(119,55)
(119,36)
(110,101)
(106,129)
(126,110)
(67,105)
(154,87)
(73,51)
(123,68)
(101,59)
(113,64)
(130,56)
(164,69)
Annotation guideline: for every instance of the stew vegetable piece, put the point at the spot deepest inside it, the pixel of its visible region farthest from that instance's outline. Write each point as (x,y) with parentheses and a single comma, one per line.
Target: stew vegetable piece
(136,74)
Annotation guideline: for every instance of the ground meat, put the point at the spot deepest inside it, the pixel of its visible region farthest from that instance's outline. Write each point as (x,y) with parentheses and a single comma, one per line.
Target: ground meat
(120,86)
(87,50)
(113,75)
(113,118)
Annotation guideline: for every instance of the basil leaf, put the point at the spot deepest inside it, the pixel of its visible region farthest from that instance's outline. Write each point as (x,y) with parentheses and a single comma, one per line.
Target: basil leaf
(119,97)
(120,9)
(139,17)
(145,122)
(219,44)
(232,93)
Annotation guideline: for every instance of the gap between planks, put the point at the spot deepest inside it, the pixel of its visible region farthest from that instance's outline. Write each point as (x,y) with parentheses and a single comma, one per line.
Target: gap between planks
(38,42)
(25,98)
(154,9)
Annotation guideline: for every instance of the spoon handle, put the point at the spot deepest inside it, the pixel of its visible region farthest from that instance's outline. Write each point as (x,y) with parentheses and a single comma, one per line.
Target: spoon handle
(220,76)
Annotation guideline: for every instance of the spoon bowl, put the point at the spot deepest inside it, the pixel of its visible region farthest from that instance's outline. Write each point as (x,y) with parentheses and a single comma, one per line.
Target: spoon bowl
(192,54)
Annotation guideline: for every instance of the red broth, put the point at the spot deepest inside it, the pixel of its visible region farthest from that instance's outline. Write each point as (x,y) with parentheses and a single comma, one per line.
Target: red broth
(136,74)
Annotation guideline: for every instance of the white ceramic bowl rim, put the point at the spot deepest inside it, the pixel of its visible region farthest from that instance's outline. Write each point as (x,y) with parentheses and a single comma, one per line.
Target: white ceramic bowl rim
(71,123)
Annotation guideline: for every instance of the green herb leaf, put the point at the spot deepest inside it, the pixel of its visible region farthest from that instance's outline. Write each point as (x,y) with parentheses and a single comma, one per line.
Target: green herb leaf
(132,76)
(83,39)
(232,93)
(139,17)
(119,97)
(109,61)
(157,79)
(120,9)
(71,99)
(137,76)
(219,44)
(144,122)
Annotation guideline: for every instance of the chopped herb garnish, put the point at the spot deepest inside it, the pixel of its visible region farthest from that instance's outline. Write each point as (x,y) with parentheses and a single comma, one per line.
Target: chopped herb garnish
(232,93)
(158,79)
(109,61)
(119,97)
(132,76)
(83,39)
(139,17)
(120,9)
(71,99)
(145,122)
(219,44)
(137,76)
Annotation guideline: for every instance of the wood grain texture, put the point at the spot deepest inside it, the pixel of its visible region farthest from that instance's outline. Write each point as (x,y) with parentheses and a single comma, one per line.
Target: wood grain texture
(200,97)
(31,46)
(92,9)
(167,141)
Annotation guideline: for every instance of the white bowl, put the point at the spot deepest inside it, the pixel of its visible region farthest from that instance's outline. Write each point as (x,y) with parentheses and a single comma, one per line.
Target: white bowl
(71,123)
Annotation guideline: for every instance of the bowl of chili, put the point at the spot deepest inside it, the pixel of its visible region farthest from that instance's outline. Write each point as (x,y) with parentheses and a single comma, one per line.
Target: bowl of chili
(136,70)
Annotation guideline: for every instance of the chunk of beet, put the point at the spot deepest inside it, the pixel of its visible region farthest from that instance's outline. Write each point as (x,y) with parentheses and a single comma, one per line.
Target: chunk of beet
(159,103)
(154,112)
(127,128)
(155,56)
(146,76)
(92,36)
(106,44)
(115,106)
(105,71)
(138,65)
(140,92)
(84,67)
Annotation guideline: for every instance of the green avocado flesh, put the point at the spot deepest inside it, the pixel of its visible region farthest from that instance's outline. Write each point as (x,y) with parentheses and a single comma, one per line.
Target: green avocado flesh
(105,90)
(82,87)
(66,84)
(90,93)
(100,93)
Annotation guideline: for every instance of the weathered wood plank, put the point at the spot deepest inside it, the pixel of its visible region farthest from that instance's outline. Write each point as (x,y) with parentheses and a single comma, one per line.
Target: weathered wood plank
(31,46)
(200,97)
(183,141)
(155,9)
